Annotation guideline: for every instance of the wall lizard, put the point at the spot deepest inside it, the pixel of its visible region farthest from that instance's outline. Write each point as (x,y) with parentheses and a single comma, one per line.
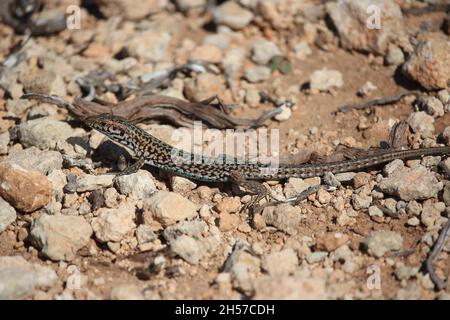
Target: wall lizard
(154,152)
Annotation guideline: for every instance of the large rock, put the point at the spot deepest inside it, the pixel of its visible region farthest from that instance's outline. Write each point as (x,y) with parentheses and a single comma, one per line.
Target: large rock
(430,63)
(421,123)
(126,292)
(283,217)
(114,224)
(23,189)
(91,182)
(188,240)
(243,267)
(60,237)
(281,263)
(380,242)
(149,45)
(19,278)
(415,183)
(130,9)
(7,215)
(35,159)
(325,80)
(139,185)
(185,5)
(43,81)
(4,140)
(351,19)
(291,288)
(232,15)
(168,208)
(264,50)
(44,133)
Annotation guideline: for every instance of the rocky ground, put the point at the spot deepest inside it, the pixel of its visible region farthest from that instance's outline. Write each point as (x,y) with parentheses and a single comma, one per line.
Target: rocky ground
(70,233)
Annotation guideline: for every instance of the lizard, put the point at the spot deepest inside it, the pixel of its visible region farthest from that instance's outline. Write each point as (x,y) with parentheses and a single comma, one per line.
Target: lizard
(247,175)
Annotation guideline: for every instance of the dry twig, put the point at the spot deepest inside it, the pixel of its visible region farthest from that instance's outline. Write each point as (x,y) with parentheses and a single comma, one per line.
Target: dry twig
(438,246)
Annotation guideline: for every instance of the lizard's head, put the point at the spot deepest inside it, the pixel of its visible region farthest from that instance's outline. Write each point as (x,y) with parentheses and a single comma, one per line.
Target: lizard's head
(112,126)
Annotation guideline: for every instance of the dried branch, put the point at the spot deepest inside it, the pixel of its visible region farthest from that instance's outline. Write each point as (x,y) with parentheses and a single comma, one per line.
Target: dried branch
(377,102)
(144,109)
(438,246)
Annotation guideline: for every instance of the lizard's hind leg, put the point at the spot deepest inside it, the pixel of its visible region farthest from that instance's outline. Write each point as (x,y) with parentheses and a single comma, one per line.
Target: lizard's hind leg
(293,201)
(254,188)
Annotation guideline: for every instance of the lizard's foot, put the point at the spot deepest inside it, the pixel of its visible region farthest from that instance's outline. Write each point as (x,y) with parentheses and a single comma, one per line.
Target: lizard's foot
(254,188)
(133,168)
(129,170)
(293,201)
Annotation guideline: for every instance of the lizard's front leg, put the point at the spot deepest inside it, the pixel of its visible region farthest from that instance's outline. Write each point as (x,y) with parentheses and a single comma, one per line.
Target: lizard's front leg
(254,188)
(132,168)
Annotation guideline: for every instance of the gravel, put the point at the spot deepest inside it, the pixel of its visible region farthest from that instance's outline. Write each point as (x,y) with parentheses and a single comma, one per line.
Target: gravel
(35,159)
(44,81)
(25,190)
(60,237)
(378,243)
(232,15)
(361,201)
(91,182)
(187,248)
(139,185)
(422,123)
(411,183)
(7,215)
(138,11)
(263,51)
(44,133)
(394,56)
(366,89)
(257,74)
(185,5)
(149,45)
(316,257)
(17,279)
(302,50)
(444,96)
(295,186)
(182,185)
(429,65)
(374,211)
(4,140)
(325,80)
(281,262)
(187,241)
(168,208)
(292,287)
(283,217)
(431,105)
(431,214)
(243,267)
(145,234)
(114,224)
(331,241)
(126,292)
(355,24)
